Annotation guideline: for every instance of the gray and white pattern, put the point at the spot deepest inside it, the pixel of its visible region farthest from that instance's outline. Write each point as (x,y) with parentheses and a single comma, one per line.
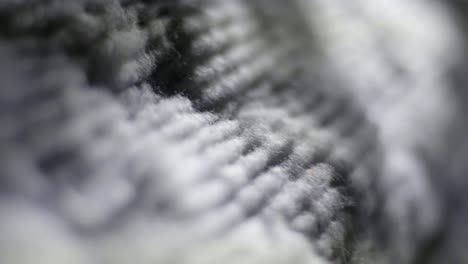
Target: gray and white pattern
(235,131)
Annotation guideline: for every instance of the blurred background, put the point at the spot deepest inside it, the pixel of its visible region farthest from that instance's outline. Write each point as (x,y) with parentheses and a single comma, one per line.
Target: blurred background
(233,131)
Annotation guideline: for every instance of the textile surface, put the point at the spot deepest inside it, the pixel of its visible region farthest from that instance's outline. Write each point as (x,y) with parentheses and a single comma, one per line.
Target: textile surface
(235,131)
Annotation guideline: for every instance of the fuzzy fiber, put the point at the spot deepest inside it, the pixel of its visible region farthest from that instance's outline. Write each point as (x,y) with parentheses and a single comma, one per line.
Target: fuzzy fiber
(234,131)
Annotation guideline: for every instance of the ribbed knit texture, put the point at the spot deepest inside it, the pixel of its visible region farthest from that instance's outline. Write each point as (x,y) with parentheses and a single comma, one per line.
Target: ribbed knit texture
(214,132)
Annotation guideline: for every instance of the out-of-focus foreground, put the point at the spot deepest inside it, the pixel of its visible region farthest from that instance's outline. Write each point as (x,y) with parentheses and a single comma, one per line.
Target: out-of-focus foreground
(233,131)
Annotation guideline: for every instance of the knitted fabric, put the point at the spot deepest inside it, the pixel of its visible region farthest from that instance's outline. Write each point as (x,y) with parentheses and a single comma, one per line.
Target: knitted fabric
(202,131)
